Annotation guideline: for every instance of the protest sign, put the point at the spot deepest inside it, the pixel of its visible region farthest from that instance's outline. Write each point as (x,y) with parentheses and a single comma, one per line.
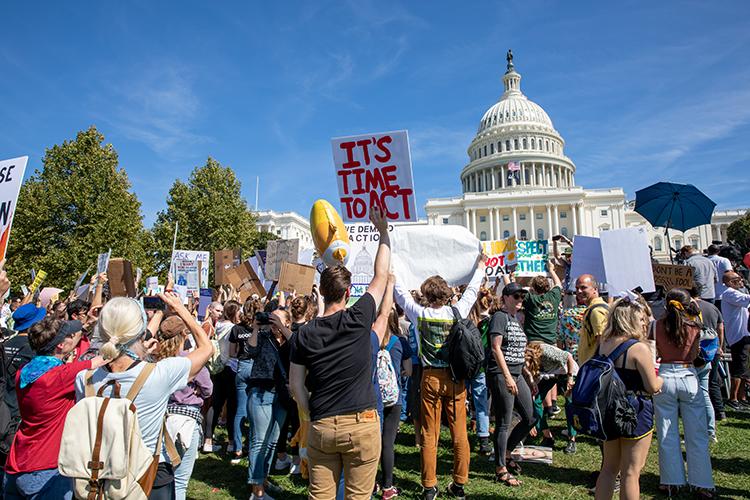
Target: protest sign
(24,290)
(375,170)
(627,259)
(204,300)
(39,277)
(186,274)
(419,252)
(120,278)
(587,259)
(277,252)
(500,255)
(152,285)
(196,256)
(531,258)
(255,263)
(80,279)
(296,277)
(11,175)
(82,291)
(670,276)
(223,260)
(102,262)
(364,240)
(244,280)
(48,295)
(182,291)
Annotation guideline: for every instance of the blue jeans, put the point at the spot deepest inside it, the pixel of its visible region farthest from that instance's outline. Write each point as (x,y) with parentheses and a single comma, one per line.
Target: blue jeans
(703,373)
(681,395)
(266,417)
(240,382)
(481,406)
(183,471)
(37,485)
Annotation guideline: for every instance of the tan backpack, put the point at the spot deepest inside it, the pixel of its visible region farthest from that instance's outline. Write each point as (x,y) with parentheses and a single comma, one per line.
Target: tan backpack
(102,448)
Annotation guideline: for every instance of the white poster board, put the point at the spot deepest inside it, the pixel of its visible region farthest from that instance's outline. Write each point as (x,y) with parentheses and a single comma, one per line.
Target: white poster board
(186,274)
(11,176)
(627,259)
(419,252)
(196,256)
(587,259)
(102,262)
(375,169)
(364,241)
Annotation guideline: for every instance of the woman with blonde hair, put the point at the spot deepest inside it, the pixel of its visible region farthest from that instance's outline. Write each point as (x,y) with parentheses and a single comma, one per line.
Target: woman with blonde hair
(128,345)
(626,331)
(677,338)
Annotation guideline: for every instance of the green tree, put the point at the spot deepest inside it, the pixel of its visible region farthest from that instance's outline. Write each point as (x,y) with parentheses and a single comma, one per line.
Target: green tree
(739,232)
(76,207)
(211,212)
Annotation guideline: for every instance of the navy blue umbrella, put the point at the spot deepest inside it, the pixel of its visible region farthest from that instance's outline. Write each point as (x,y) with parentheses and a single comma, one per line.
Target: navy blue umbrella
(676,206)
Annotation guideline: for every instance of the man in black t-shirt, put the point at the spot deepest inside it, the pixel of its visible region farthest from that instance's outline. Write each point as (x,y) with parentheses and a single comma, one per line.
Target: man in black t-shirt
(331,380)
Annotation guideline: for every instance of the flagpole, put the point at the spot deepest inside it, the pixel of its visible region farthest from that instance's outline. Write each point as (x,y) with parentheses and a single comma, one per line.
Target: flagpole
(174,245)
(257,189)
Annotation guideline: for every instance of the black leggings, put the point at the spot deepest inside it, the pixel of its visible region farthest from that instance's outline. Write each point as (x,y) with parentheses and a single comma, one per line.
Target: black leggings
(224,392)
(714,385)
(290,426)
(503,403)
(391,421)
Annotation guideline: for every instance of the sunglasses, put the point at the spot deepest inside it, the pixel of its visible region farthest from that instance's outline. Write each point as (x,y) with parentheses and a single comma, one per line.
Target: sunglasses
(517,295)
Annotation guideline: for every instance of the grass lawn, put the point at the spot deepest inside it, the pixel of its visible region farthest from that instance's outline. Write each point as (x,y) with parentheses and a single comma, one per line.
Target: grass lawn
(215,477)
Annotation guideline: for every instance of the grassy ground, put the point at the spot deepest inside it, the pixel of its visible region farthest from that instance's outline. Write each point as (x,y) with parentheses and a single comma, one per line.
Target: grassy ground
(214,477)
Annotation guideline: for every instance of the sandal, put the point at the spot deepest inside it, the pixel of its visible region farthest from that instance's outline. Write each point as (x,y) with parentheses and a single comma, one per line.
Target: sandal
(507,479)
(512,466)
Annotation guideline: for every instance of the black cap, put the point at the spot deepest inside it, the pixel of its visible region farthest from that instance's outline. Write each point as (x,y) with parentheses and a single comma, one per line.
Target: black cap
(512,288)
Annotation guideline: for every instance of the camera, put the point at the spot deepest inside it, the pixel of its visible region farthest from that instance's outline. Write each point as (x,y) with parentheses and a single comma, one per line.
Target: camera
(263,318)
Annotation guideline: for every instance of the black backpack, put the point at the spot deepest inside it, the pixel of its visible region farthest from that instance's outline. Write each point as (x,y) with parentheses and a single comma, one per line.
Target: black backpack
(8,421)
(464,347)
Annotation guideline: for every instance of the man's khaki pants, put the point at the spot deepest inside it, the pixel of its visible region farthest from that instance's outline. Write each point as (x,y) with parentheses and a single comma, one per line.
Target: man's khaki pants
(438,392)
(344,442)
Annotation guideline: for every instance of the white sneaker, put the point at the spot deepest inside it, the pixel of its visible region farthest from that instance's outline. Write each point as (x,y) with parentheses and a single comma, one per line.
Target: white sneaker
(283,464)
(265,496)
(295,469)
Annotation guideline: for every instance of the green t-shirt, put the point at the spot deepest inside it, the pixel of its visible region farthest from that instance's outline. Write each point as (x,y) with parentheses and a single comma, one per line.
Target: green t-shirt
(541,316)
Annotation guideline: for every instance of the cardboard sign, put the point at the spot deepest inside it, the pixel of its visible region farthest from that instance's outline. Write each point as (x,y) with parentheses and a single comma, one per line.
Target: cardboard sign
(186,274)
(500,255)
(375,170)
(224,260)
(258,268)
(670,276)
(531,258)
(278,252)
(587,259)
(11,175)
(244,279)
(296,277)
(196,256)
(121,280)
(627,260)
(102,262)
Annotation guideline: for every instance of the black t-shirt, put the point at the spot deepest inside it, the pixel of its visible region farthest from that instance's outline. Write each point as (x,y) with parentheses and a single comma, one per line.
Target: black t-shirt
(17,353)
(336,351)
(239,335)
(513,344)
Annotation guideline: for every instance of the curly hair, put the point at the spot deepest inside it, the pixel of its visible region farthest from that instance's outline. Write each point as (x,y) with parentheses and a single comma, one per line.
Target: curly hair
(482,304)
(170,345)
(436,290)
(44,331)
(533,357)
(301,308)
(249,308)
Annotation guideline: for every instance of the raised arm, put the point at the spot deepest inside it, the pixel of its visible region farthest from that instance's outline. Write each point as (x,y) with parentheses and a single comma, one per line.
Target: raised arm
(381,322)
(382,257)
(405,301)
(551,270)
(203,347)
(470,294)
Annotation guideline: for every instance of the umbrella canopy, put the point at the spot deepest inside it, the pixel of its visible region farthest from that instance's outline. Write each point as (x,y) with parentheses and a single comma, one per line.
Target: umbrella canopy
(675,206)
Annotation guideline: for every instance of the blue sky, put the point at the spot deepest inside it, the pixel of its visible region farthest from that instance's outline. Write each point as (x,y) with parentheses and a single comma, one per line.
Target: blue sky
(640,91)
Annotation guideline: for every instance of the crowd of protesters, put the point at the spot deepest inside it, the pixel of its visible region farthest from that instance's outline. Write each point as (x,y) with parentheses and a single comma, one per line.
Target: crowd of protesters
(318,385)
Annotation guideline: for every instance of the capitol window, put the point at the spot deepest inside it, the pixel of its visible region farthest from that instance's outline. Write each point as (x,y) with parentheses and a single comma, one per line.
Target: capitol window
(482,218)
(546,144)
(506,218)
(522,217)
(485,150)
(507,145)
(445,220)
(483,236)
(533,143)
(539,216)
(604,213)
(492,148)
(694,242)
(564,231)
(515,144)
(657,244)
(563,215)
(525,144)
(506,234)
(499,143)
(523,235)
(540,234)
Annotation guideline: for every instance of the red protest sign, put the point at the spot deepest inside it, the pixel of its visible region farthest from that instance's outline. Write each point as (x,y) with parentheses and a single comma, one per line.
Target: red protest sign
(375,170)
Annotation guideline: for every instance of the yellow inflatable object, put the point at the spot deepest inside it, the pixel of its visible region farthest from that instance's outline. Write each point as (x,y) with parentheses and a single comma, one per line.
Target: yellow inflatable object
(329,234)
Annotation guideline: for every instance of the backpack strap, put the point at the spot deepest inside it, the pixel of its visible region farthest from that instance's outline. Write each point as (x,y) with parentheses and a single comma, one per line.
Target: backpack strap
(174,456)
(621,349)
(95,465)
(140,381)
(88,384)
(456,314)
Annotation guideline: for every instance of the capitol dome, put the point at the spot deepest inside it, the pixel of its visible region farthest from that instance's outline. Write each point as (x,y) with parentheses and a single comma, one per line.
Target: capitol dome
(516,145)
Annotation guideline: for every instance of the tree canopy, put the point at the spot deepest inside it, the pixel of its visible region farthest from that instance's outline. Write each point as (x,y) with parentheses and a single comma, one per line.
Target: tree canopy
(739,232)
(76,207)
(211,212)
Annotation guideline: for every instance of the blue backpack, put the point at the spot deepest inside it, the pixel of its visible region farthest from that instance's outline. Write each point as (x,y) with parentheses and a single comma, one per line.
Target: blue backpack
(600,405)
